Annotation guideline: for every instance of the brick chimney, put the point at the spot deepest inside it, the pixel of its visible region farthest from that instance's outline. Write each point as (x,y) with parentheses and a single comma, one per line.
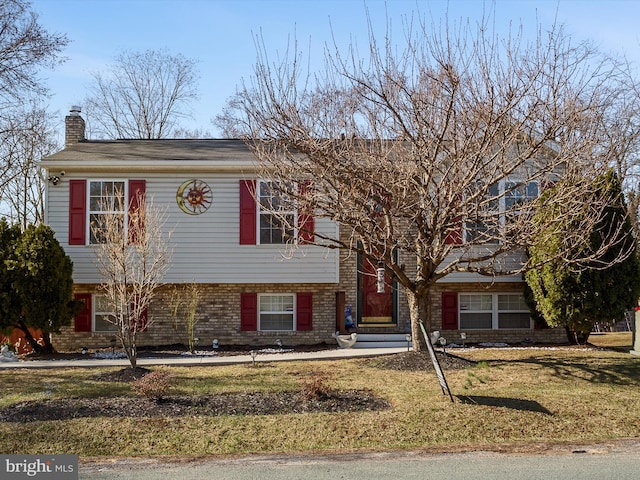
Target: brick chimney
(74,127)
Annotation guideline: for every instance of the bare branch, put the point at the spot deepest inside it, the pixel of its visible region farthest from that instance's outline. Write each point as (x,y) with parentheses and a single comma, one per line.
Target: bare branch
(144,95)
(28,136)
(436,150)
(25,48)
(132,257)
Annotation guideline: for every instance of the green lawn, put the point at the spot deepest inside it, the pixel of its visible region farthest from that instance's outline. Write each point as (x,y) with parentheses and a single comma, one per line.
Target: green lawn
(511,397)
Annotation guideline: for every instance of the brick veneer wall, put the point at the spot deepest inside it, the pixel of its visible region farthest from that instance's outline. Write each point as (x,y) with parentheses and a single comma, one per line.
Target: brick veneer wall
(349,280)
(218,317)
(547,335)
(516,335)
(348,276)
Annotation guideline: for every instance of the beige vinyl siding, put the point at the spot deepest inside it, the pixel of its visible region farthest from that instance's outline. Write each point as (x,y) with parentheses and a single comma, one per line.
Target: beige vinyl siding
(468,277)
(511,261)
(206,247)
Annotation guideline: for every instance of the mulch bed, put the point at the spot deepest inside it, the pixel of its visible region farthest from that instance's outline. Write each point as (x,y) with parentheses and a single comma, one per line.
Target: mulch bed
(417,361)
(177,406)
(257,403)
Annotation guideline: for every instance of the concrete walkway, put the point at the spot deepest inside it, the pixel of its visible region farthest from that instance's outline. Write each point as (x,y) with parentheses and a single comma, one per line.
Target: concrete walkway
(187,360)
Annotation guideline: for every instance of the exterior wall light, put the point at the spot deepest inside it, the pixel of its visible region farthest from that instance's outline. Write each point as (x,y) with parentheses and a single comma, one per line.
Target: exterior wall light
(55,179)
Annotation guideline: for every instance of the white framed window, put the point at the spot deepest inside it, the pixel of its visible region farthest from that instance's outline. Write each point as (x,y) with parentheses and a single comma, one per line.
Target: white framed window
(276,215)
(483,228)
(276,312)
(106,198)
(518,194)
(476,311)
(513,311)
(501,201)
(103,315)
(493,311)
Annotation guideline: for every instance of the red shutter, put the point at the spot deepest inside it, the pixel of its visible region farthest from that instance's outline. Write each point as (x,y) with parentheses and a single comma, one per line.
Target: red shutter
(77,212)
(137,189)
(306,222)
(455,236)
(143,320)
(304,312)
(82,321)
(449,310)
(248,312)
(247,212)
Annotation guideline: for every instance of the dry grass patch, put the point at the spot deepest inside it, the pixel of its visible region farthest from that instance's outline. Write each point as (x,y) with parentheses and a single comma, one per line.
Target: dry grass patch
(510,396)
(621,340)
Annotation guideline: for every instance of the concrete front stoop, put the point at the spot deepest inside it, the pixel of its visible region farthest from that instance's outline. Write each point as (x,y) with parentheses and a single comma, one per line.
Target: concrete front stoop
(382,340)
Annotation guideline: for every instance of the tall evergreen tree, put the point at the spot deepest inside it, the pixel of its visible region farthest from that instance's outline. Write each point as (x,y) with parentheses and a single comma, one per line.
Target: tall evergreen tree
(42,285)
(9,305)
(599,290)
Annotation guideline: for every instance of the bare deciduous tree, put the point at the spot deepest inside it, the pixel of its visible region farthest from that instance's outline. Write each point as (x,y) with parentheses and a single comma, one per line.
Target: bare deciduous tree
(25,48)
(132,258)
(432,151)
(626,147)
(29,136)
(184,308)
(143,95)
(196,133)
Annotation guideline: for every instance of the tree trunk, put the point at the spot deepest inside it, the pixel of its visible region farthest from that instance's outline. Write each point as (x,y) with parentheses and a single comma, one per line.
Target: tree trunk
(48,346)
(37,348)
(420,312)
(132,355)
(577,337)
(131,351)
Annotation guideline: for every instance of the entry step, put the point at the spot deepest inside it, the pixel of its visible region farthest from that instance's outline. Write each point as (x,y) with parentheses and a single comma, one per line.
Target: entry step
(381,340)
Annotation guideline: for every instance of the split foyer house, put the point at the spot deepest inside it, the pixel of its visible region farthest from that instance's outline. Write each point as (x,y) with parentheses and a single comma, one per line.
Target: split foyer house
(254,289)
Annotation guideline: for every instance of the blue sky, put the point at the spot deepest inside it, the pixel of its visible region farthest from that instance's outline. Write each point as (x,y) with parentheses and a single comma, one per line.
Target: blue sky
(219,34)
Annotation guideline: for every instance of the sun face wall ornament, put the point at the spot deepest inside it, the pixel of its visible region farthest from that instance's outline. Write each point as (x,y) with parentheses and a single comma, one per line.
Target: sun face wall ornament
(194,197)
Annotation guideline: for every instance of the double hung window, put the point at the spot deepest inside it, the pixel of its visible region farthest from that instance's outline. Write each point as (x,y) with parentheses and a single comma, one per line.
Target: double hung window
(276,312)
(513,311)
(519,194)
(106,208)
(104,319)
(277,215)
(476,311)
(485,311)
(497,206)
(272,213)
(483,227)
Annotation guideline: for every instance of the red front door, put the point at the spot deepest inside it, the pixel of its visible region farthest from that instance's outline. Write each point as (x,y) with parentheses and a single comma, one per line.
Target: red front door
(376,307)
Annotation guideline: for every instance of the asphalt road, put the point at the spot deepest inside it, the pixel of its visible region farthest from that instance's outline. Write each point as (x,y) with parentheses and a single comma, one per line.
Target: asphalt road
(592,463)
